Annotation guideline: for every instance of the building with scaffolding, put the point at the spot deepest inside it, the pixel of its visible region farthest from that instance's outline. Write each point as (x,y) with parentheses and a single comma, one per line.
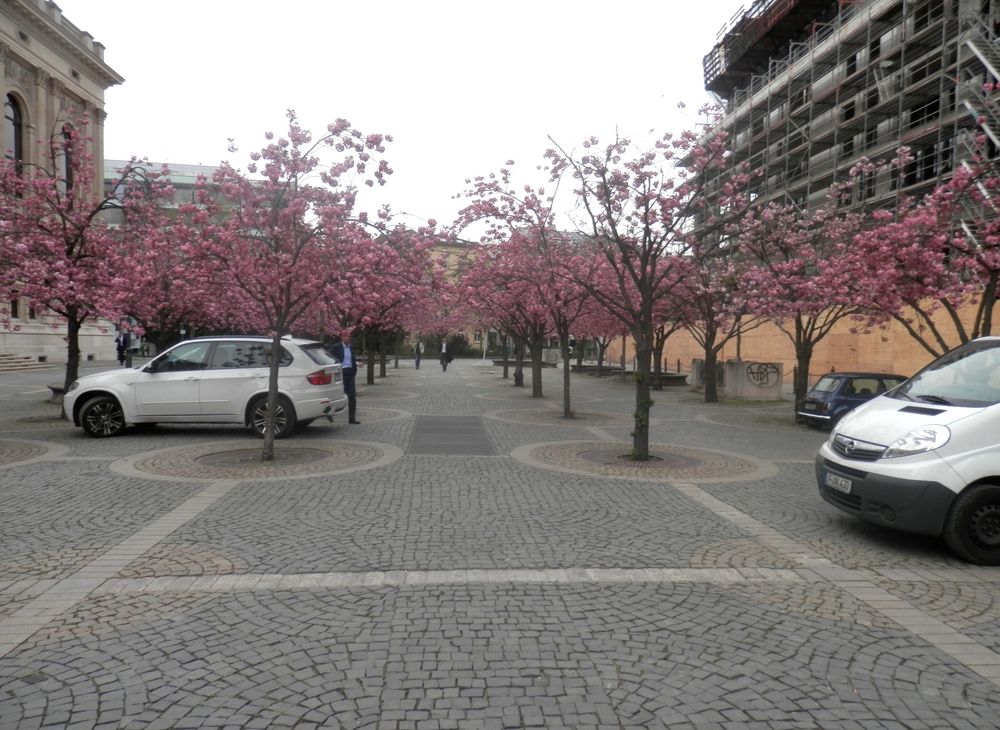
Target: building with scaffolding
(811,86)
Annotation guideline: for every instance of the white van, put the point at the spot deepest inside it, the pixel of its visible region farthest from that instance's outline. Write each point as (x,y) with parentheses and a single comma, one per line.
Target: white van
(924,457)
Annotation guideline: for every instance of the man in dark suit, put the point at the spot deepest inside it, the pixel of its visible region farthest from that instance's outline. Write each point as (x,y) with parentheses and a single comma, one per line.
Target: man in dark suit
(344,351)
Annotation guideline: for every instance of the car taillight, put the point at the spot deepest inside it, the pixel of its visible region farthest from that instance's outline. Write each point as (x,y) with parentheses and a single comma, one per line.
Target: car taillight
(320,377)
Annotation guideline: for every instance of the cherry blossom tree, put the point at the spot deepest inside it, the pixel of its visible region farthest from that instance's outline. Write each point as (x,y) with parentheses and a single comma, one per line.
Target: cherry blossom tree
(637,212)
(804,275)
(157,286)
(712,306)
(519,222)
(937,257)
(599,327)
(383,281)
(273,240)
(496,289)
(57,239)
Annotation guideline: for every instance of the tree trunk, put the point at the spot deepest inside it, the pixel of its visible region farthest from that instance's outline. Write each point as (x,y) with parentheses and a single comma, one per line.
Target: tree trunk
(369,345)
(505,347)
(711,375)
(658,366)
(989,300)
(567,407)
(518,364)
(383,352)
(73,324)
(803,359)
(643,401)
(536,368)
(267,451)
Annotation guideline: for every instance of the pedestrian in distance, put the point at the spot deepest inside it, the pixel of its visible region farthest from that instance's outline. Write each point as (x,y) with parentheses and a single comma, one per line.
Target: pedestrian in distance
(121,345)
(343,350)
(417,347)
(445,356)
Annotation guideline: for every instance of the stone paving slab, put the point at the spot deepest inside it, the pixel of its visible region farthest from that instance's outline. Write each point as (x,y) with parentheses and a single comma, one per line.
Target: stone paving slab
(456,591)
(640,655)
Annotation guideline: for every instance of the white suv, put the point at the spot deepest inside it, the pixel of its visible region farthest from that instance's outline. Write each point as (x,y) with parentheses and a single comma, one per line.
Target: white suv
(212,380)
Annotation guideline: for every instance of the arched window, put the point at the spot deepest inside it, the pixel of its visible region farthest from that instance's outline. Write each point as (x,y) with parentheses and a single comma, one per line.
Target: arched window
(13,138)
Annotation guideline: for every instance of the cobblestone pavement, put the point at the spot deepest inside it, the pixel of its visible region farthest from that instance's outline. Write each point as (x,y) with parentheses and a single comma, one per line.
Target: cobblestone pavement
(168,579)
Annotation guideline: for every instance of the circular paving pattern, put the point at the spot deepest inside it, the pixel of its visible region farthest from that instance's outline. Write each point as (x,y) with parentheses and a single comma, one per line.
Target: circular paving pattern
(554,417)
(20,452)
(244,457)
(669,463)
(235,460)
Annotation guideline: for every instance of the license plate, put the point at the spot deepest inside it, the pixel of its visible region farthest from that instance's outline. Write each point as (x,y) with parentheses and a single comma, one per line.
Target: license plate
(809,407)
(838,483)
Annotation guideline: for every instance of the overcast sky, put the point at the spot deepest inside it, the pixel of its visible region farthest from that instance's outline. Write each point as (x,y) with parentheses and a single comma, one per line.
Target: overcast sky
(461,85)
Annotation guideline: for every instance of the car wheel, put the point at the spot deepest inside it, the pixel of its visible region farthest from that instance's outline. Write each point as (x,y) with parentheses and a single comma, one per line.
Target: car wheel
(102,417)
(284,417)
(972,530)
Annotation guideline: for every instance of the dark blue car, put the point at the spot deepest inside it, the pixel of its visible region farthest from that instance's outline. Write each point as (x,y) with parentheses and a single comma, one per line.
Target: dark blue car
(836,394)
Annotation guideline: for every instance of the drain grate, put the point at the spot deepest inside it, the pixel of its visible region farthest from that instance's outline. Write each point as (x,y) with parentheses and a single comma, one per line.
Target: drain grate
(451,436)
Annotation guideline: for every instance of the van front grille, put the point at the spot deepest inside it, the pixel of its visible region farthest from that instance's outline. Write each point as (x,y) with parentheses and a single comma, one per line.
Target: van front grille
(857,450)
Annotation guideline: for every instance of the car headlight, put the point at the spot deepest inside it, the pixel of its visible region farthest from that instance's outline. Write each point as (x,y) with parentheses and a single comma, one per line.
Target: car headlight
(918,441)
(73,386)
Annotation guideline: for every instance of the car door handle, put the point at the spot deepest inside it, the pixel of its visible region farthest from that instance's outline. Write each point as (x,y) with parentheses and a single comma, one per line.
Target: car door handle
(190,380)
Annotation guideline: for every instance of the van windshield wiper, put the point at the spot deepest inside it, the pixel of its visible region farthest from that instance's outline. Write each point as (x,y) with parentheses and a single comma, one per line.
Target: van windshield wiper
(936,399)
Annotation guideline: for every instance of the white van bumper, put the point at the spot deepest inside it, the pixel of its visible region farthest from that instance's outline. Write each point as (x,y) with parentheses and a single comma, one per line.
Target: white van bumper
(902,501)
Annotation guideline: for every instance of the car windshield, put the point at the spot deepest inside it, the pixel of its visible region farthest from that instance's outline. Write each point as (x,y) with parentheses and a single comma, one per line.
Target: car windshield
(826,384)
(967,376)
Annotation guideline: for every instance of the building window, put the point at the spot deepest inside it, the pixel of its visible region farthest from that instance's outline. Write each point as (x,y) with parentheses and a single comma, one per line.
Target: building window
(801,97)
(13,139)
(850,109)
(923,113)
(874,49)
(64,158)
(923,167)
(930,11)
(867,185)
(852,65)
(15,309)
(848,147)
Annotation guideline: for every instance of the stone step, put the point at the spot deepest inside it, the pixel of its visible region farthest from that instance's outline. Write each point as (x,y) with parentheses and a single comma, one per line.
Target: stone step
(10,362)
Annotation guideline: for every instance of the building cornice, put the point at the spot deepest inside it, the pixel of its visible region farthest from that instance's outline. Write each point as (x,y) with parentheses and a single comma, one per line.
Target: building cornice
(44,19)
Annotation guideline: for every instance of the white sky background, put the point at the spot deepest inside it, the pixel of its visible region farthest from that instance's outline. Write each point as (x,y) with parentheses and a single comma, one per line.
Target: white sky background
(462,86)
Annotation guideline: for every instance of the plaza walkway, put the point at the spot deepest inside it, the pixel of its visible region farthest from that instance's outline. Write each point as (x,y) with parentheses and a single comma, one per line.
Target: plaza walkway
(466,558)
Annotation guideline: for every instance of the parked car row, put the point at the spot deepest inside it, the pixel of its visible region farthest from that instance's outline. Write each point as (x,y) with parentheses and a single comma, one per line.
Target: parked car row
(212,380)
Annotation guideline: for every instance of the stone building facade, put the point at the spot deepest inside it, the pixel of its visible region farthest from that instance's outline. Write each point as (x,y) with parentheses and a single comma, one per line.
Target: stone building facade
(52,72)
